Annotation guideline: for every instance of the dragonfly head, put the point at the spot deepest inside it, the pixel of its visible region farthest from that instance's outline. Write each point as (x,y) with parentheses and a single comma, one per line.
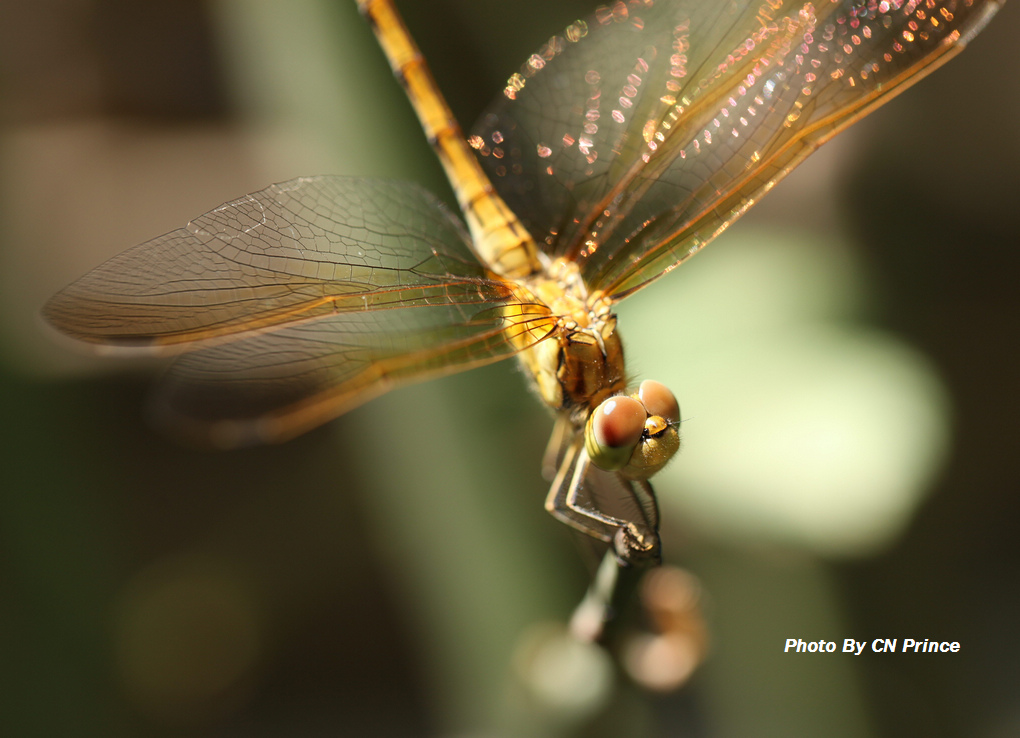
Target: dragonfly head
(635,434)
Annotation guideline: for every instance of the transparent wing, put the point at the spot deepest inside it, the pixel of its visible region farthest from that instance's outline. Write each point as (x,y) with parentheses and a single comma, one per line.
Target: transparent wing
(294,251)
(631,140)
(273,386)
(302,300)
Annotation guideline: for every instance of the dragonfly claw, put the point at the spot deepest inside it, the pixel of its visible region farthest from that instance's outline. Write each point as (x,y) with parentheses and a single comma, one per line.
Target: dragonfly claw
(636,545)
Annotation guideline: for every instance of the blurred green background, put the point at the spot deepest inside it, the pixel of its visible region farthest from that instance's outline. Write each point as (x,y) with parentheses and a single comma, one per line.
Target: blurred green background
(846,357)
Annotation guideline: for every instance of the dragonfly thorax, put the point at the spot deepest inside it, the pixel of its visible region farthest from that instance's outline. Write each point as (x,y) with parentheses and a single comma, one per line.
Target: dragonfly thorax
(580,364)
(579,371)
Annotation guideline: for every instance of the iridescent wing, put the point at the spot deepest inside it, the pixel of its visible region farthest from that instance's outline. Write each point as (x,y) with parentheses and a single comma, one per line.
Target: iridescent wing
(299,302)
(634,138)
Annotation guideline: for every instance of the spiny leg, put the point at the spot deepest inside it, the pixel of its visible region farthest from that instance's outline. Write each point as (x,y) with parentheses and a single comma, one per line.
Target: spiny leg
(633,541)
(559,443)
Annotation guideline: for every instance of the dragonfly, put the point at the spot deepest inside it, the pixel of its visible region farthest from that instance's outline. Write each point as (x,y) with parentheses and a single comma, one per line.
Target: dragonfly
(619,149)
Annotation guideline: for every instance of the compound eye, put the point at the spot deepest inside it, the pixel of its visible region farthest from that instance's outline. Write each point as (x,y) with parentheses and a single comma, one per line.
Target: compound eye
(658,400)
(613,431)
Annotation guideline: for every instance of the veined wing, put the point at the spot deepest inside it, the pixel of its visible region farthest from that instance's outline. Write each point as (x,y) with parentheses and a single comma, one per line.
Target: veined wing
(295,251)
(634,138)
(302,300)
(275,385)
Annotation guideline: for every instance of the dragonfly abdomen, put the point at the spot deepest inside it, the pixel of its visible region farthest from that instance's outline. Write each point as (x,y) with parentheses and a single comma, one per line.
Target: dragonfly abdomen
(499,238)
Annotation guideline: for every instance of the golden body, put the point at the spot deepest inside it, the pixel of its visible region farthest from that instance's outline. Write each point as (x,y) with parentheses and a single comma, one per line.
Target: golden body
(622,147)
(581,364)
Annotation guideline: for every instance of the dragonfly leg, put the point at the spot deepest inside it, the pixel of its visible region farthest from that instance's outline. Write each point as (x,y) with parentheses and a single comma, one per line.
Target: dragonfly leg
(567,501)
(555,450)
